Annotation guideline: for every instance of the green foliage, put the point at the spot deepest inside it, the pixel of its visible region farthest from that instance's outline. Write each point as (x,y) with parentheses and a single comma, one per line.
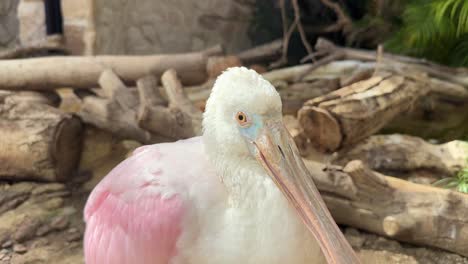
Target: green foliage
(459,182)
(434,29)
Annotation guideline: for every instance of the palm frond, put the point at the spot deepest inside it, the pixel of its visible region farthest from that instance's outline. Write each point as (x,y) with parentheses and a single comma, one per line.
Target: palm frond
(434,29)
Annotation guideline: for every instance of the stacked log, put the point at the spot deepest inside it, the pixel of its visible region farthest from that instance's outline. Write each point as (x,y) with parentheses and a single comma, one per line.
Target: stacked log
(37,140)
(335,107)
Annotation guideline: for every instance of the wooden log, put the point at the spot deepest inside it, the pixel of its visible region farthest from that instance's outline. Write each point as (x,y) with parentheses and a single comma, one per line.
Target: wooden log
(262,53)
(293,95)
(38,142)
(47,97)
(114,113)
(439,115)
(141,114)
(401,154)
(296,94)
(178,99)
(171,122)
(401,210)
(350,114)
(84,72)
(217,64)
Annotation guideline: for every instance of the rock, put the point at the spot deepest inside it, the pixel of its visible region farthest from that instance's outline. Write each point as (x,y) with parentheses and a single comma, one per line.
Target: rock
(7,244)
(382,257)
(4,235)
(41,242)
(48,188)
(3,254)
(26,230)
(73,235)
(19,248)
(354,238)
(43,230)
(388,244)
(59,222)
(54,203)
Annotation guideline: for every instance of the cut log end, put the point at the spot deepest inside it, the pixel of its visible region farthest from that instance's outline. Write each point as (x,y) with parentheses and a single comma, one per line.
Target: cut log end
(394,225)
(321,127)
(67,148)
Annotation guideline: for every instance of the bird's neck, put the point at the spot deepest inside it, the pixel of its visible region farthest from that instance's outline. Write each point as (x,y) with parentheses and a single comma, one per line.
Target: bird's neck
(241,174)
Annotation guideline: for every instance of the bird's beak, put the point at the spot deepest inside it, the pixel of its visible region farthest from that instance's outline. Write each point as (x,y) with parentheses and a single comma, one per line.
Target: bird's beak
(276,151)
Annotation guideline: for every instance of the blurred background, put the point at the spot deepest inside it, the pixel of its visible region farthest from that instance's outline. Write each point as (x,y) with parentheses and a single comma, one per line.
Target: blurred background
(83,83)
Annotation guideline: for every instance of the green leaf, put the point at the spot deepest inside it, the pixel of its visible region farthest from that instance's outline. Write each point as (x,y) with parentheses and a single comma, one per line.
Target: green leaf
(443,182)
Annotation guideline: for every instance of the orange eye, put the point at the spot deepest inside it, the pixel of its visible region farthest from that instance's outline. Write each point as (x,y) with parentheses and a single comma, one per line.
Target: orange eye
(241,119)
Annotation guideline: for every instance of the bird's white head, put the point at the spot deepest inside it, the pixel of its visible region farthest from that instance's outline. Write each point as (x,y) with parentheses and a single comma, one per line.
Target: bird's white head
(242,127)
(239,104)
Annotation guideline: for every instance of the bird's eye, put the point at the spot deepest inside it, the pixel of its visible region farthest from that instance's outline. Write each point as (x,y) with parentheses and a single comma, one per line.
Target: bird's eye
(241,118)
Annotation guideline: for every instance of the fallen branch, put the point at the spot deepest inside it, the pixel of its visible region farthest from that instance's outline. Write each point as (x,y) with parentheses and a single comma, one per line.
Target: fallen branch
(287,32)
(141,114)
(343,23)
(392,62)
(300,29)
(180,120)
(84,72)
(113,113)
(261,53)
(178,99)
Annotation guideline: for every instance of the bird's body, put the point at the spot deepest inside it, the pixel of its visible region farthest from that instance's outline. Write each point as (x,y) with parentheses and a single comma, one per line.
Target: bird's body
(238,194)
(200,223)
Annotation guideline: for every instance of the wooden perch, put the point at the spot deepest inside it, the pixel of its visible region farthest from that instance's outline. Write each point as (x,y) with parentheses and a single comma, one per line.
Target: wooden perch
(37,141)
(84,72)
(178,99)
(393,154)
(169,121)
(405,211)
(350,114)
(117,112)
(141,114)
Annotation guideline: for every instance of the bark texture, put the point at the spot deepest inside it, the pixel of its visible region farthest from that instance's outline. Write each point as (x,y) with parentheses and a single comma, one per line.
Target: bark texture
(351,114)
(38,142)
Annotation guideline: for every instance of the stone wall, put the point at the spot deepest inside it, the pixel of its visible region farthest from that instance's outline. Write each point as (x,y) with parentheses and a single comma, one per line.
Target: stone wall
(31,16)
(141,26)
(163,26)
(76,16)
(9,25)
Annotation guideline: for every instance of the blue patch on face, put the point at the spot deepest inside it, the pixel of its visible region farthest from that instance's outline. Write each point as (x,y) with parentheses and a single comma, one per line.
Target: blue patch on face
(251,132)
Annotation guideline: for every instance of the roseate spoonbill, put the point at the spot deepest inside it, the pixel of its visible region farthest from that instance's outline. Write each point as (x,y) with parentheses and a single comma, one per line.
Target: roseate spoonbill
(238,194)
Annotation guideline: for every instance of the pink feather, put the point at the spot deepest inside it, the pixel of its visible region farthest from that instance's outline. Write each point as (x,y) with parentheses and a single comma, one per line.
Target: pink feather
(135,214)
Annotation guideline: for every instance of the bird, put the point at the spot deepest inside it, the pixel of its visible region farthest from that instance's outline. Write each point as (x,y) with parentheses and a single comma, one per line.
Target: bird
(239,193)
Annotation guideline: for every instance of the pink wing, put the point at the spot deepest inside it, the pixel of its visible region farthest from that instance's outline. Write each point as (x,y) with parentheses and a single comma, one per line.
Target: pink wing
(134,214)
